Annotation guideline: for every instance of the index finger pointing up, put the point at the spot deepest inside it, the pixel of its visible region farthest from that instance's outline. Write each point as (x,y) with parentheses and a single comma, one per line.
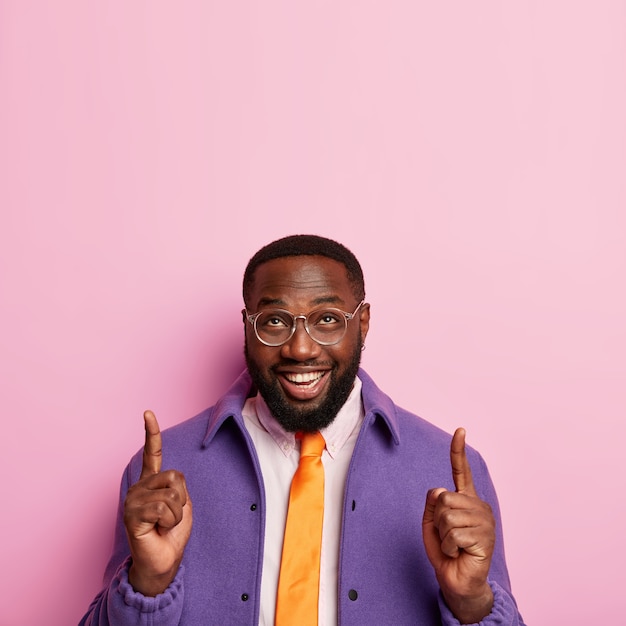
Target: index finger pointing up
(152,452)
(461,471)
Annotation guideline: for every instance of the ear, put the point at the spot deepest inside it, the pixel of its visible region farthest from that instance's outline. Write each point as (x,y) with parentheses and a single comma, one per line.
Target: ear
(364,320)
(244,317)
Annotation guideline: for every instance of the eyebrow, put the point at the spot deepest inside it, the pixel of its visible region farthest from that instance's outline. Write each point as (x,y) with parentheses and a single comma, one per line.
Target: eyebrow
(328,300)
(315,301)
(270,301)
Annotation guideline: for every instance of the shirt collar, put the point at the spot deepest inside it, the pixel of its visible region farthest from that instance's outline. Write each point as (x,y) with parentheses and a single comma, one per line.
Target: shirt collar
(335,434)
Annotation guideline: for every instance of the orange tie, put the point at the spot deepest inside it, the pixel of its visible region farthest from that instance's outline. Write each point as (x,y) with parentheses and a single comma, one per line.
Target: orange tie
(299,579)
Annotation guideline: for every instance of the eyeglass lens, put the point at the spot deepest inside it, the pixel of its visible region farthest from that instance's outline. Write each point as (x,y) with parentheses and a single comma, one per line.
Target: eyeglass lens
(325,326)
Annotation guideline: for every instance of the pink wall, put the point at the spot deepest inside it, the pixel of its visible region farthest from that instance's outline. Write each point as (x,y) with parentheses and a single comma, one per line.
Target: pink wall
(472,154)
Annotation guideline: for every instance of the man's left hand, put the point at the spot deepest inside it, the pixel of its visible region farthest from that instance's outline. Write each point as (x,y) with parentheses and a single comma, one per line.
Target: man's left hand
(459,537)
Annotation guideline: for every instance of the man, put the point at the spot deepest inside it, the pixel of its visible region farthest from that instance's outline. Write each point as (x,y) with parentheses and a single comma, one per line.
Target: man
(410,533)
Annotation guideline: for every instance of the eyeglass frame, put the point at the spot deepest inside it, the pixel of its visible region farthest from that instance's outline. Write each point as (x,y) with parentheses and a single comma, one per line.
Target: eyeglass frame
(252,318)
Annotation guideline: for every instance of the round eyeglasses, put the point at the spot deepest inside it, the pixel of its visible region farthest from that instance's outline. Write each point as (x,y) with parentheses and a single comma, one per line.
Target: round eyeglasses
(274,327)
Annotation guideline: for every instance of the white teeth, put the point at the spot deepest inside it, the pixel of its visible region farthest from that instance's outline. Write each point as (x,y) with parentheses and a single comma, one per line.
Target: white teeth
(307,377)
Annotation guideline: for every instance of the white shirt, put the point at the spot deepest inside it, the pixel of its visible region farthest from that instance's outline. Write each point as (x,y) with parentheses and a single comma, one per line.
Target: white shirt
(279,455)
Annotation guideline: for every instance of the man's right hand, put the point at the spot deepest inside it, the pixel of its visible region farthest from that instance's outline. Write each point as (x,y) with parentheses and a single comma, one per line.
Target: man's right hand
(157,516)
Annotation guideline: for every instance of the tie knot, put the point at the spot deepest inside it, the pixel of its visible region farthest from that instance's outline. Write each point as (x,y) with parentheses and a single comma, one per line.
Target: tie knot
(312,444)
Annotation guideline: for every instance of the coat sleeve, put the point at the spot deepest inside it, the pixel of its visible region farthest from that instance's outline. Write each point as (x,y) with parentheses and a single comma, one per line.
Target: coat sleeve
(503,613)
(118,604)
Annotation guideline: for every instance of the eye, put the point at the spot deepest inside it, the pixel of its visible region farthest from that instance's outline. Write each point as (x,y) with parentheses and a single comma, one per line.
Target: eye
(326,318)
(273,319)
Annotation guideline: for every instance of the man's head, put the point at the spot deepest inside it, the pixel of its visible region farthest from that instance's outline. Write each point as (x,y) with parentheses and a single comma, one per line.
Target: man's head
(306,245)
(304,382)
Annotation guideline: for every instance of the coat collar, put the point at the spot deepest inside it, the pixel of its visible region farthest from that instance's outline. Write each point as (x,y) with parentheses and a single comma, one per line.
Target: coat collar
(375,402)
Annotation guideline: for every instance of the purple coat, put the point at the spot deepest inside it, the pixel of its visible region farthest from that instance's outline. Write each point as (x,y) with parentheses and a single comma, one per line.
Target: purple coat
(384,574)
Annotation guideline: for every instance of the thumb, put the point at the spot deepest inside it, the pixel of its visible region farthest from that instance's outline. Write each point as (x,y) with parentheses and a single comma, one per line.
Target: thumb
(430,533)
(431,502)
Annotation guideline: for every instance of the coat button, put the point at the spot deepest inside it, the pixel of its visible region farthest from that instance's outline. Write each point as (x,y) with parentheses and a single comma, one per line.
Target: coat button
(253,507)
(352,594)
(244,597)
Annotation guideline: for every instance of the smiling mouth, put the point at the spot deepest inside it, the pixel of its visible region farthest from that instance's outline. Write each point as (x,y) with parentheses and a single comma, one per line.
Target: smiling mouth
(305,380)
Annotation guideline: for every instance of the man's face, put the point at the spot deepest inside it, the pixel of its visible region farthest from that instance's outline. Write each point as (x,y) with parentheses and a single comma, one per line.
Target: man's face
(304,383)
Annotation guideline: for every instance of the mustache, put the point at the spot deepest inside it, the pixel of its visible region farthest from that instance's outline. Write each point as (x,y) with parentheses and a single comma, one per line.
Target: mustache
(311,363)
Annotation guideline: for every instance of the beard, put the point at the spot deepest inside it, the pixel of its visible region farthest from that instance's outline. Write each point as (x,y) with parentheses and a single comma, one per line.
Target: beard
(302,418)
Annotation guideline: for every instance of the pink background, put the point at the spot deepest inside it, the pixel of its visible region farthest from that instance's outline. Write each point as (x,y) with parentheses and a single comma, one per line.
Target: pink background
(471,154)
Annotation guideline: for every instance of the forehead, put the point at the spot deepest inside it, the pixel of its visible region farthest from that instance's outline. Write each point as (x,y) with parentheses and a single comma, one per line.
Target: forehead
(301,279)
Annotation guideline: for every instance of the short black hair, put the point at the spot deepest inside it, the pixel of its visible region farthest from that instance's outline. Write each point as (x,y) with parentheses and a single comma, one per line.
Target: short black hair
(311,245)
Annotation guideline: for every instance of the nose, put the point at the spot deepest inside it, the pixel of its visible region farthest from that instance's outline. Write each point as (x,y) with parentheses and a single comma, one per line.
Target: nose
(300,346)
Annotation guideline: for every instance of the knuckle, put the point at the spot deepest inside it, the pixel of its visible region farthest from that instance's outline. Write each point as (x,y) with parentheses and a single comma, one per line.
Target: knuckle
(160,508)
(171,496)
(131,498)
(446,498)
(455,535)
(152,451)
(449,547)
(448,518)
(173,477)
